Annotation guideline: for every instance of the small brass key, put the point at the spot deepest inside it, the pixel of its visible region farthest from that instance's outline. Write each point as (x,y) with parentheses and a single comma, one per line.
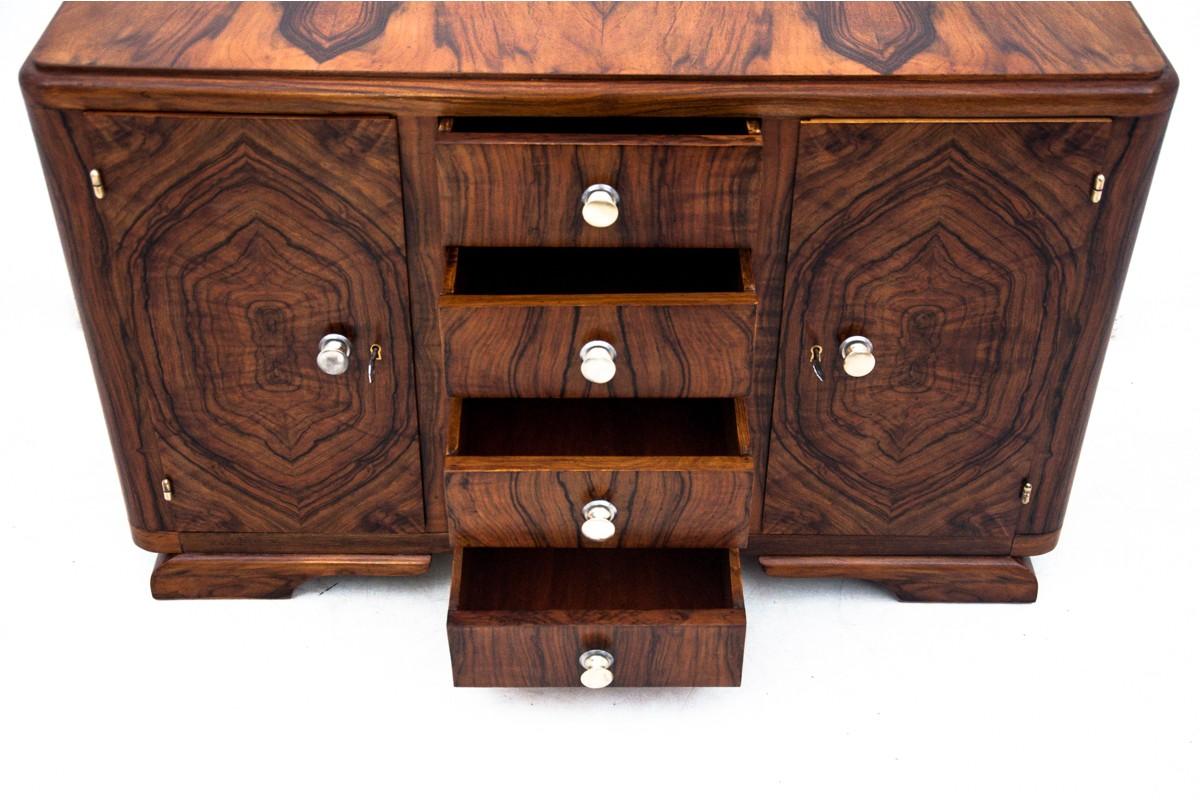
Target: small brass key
(814,358)
(376,355)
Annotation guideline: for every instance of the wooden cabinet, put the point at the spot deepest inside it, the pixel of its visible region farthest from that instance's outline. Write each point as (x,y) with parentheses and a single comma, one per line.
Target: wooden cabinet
(234,245)
(960,250)
(606,294)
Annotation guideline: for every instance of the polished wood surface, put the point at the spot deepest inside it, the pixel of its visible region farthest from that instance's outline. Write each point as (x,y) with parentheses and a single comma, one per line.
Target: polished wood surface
(514,324)
(663,502)
(190,576)
(502,193)
(914,172)
(955,579)
(668,39)
(230,259)
(520,471)
(669,618)
(960,250)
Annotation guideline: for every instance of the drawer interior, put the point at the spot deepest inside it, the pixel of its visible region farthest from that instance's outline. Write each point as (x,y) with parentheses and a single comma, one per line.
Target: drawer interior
(545,579)
(501,271)
(524,616)
(598,427)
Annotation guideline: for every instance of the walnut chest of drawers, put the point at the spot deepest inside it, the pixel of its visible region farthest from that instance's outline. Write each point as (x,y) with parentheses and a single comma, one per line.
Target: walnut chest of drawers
(598,297)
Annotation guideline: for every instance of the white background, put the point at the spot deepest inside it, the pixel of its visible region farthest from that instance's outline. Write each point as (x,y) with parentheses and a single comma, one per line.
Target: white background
(1094,691)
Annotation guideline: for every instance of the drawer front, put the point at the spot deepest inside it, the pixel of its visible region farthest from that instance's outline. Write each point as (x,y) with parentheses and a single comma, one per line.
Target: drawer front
(692,649)
(510,348)
(525,617)
(497,193)
(655,507)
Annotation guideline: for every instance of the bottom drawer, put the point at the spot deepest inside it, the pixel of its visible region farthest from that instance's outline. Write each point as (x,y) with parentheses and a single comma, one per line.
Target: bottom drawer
(528,617)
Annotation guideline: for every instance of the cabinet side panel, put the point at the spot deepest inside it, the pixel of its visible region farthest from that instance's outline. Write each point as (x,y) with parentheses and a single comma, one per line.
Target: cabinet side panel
(84,244)
(426,265)
(1129,168)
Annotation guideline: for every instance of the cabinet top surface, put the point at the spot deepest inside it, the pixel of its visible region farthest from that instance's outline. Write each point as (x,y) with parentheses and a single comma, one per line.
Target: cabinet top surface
(697,40)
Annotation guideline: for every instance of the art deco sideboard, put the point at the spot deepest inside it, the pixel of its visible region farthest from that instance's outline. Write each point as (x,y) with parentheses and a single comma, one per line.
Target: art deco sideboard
(598,296)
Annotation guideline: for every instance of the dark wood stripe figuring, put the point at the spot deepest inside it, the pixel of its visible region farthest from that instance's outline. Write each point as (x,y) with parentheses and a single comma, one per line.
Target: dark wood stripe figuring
(231,256)
(667,345)
(326,30)
(960,251)
(636,39)
(502,194)
(661,504)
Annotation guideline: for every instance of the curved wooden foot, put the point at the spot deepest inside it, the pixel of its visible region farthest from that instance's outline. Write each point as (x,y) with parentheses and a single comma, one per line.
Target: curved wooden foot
(928,579)
(194,576)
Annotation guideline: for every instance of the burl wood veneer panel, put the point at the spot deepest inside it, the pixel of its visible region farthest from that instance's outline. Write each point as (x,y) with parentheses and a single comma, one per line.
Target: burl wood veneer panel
(230,256)
(961,250)
(668,39)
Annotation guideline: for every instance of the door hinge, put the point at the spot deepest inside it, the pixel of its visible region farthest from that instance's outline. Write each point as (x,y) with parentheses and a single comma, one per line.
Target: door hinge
(1026,493)
(168,490)
(97,184)
(1097,188)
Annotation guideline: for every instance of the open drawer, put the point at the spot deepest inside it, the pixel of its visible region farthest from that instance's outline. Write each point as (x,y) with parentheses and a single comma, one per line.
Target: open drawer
(539,322)
(528,181)
(528,617)
(598,473)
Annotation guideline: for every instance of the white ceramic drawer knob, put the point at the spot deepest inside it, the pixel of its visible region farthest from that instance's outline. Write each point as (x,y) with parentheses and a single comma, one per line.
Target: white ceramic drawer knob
(598,518)
(599,361)
(334,356)
(858,356)
(600,203)
(597,669)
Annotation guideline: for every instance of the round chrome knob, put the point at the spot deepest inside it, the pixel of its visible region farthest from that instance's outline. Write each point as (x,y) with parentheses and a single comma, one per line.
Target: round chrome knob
(858,356)
(334,356)
(598,365)
(600,203)
(598,520)
(597,669)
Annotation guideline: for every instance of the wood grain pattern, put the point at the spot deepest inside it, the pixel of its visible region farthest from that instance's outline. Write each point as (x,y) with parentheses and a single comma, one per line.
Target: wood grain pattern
(961,579)
(1130,161)
(958,249)
(84,246)
(520,472)
(770,257)
(259,542)
(326,30)
(881,36)
(667,39)
(426,266)
(667,345)
(660,503)
(780,63)
(231,258)
(191,577)
(523,617)
(503,194)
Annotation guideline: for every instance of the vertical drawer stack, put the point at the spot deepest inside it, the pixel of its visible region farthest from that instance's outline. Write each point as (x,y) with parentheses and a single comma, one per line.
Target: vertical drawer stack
(597,321)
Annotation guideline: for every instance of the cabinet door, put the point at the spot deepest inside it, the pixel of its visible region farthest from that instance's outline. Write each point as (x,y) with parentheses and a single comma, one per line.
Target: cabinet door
(959,250)
(235,244)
